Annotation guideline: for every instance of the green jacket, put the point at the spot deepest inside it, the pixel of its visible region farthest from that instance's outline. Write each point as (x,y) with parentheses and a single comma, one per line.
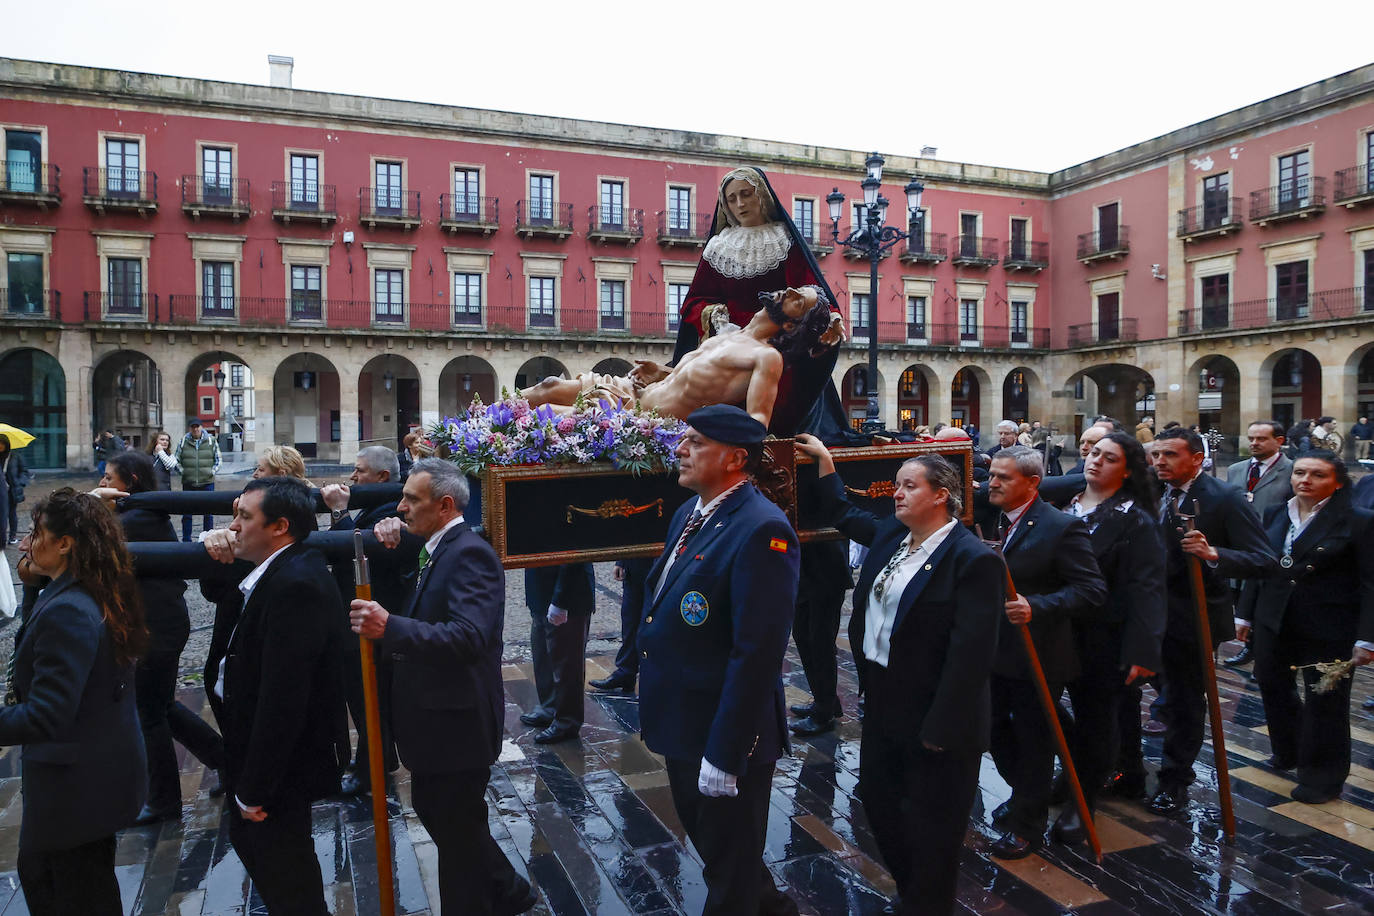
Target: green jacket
(199,459)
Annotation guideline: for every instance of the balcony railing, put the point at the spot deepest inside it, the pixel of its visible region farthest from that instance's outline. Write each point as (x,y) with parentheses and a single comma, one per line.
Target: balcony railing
(26,302)
(683,227)
(820,247)
(119,189)
(1217,217)
(389,207)
(1288,200)
(228,197)
(469,213)
(301,200)
(930,334)
(931,249)
(1104,243)
(23,183)
(1355,185)
(1027,256)
(1326,305)
(1113,331)
(543,218)
(615,224)
(120,306)
(974,251)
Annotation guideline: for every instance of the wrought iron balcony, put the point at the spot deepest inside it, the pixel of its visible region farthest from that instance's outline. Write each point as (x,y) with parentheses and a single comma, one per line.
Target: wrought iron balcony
(119,189)
(298,200)
(1027,256)
(974,251)
(21,183)
(1207,220)
(1104,244)
(1355,186)
(615,224)
(1288,200)
(26,302)
(1254,314)
(932,334)
(394,207)
(544,219)
(469,213)
(818,248)
(214,197)
(1119,330)
(683,227)
(931,249)
(120,306)
(183,309)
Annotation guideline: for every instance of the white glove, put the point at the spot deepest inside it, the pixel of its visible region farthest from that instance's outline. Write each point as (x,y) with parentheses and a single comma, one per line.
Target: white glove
(714,783)
(556,616)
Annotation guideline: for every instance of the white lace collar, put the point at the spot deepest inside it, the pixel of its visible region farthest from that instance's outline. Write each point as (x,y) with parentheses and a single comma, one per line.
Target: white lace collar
(748,251)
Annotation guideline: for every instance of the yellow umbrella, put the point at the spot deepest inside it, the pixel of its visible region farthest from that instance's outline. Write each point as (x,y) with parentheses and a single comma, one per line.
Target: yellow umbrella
(18,438)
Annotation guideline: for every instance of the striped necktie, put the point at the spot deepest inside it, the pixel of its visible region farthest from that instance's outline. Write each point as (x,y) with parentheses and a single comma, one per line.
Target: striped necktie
(693,526)
(880,583)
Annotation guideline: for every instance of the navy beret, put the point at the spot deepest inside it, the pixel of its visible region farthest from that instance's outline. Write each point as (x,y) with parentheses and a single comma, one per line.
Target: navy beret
(728,424)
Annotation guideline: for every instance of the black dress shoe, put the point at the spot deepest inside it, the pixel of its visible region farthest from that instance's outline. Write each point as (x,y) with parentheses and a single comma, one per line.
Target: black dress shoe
(157,815)
(999,815)
(1315,795)
(553,734)
(352,784)
(619,680)
(1276,762)
(535,720)
(1169,800)
(521,900)
(1123,786)
(1240,658)
(805,728)
(1068,827)
(802,710)
(1014,846)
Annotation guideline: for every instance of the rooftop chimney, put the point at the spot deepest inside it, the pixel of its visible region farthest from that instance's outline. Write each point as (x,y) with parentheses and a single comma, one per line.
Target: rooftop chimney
(279,69)
(927,152)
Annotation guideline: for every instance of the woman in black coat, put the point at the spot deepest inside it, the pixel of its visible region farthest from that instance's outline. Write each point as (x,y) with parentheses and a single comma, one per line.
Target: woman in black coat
(1317,605)
(71,705)
(16,478)
(161,716)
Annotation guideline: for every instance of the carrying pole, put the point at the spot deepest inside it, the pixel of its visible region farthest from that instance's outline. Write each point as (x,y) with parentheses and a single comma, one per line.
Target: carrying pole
(381,829)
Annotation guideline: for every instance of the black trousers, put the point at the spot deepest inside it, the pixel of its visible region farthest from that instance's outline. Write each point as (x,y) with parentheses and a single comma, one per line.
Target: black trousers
(162,719)
(1023,750)
(279,855)
(79,881)
(558,655)
(814,629)
(353,695)
(1130,757)
(728,833)
(631,607)
(1098,694)
(917,800)
(1184,710)
(207,522)
(473,871)
(1311,733)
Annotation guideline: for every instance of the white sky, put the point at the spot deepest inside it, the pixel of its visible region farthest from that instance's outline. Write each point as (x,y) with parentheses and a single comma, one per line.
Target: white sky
(1037,85)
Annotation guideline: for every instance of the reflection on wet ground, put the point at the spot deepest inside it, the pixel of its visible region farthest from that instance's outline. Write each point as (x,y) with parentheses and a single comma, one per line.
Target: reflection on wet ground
(590,822)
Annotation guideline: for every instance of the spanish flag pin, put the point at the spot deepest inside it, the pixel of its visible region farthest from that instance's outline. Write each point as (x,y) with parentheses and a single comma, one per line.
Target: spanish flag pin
(777,544)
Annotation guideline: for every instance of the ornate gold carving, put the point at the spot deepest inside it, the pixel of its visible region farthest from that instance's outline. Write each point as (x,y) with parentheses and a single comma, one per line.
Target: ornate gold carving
(616,508)
(878,489)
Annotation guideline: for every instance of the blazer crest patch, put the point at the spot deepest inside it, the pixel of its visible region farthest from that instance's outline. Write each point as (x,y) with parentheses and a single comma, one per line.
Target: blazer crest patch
(695,608)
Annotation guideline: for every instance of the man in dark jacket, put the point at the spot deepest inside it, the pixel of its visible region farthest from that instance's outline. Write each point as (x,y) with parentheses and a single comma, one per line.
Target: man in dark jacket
(561,600)
(279,696)
(374,465)
(446,693)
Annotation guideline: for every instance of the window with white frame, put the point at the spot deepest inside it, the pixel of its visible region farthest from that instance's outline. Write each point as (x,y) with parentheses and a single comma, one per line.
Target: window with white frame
(1020,318)
(122,168)
(23,161)
(542,303)
(305,181)
(1290,290)
(467,299)
(207,406)
(677,294)
(467,191)
(25,296)
(236,405)
(804,215)
(387,194)
(217,174)
(541,199)
(125,286)
(306,304)
(236,375)
(916,318)
(388,299)
(613,305)
(679,210)
(860,313)
(217,289)
(916,231)
(612,204)
(968,319)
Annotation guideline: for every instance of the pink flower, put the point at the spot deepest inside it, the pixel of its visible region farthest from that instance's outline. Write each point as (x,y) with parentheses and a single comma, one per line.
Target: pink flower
(567,424)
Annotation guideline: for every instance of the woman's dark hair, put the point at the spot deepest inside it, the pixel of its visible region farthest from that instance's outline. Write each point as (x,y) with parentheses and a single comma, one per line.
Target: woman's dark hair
(289,498)
(5,441)
(99,562)
(135,469)
(1140,484)
(1331,458)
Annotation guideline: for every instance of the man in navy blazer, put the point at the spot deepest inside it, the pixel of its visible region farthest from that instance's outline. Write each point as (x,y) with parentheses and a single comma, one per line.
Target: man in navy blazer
(717,613)
(447,699)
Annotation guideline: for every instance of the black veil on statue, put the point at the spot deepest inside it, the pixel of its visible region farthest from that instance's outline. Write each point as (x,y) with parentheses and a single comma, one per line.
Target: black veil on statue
(811,378)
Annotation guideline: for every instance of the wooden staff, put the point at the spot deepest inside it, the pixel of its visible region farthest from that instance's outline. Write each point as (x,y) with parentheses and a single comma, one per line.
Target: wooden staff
(1204,645)
(1042,687)
(381,828)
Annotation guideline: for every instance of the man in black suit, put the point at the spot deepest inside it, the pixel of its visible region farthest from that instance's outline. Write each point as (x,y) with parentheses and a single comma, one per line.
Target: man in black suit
(1227,539)
(630,574)
(447,699)
(278,696)
(825,577)
(716,619)
(1057,579)
(374,464)
(561,600)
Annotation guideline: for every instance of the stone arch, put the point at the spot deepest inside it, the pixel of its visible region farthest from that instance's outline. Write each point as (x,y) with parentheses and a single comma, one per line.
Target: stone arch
(1358,381)
(33,397)
(971,397)
(915,387)
(305,406)
(533,371)
(1118,390)
(461,379)
(613,365)
(1024,396)
(1213,398)
(855,391)
(1291,385)
(221,393)
(388,400)
(127,396)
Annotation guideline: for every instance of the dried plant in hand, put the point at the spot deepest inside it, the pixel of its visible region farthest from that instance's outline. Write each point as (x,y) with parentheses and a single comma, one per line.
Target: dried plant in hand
(1332,673)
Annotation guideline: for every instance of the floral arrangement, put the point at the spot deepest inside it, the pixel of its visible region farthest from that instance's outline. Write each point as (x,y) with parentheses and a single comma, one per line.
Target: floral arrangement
(510,431)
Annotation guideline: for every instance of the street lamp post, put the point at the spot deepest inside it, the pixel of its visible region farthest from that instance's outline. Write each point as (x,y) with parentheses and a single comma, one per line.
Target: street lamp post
(872,240)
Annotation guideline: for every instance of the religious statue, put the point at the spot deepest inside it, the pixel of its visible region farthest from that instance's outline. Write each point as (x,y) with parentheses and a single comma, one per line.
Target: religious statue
(733,366)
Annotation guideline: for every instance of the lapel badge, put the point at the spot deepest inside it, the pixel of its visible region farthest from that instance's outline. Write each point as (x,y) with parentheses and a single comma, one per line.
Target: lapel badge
(695,608)
(928,567)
